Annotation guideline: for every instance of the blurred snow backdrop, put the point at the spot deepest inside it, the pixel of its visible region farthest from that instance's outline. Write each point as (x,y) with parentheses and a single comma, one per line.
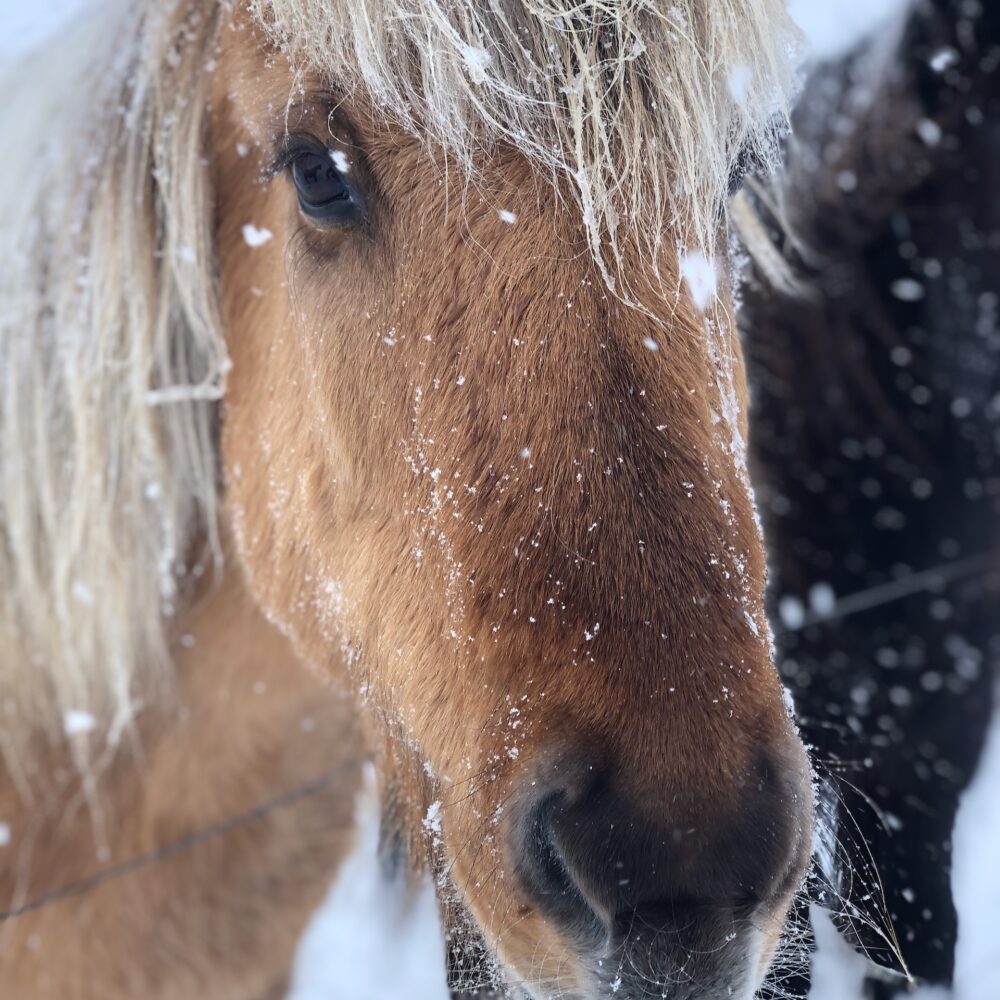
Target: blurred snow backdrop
(367,944)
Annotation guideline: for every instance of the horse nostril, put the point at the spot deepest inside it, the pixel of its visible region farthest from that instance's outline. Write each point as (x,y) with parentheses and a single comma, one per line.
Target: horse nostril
(581,854)
(590,852)
(543,870)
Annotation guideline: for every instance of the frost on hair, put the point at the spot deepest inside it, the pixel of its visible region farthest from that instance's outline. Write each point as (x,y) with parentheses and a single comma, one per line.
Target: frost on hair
(632,103)
(108,481)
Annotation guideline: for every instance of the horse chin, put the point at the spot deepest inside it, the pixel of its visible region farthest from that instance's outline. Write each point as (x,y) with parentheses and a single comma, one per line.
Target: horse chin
(578,970)
(497,933)
(576,967)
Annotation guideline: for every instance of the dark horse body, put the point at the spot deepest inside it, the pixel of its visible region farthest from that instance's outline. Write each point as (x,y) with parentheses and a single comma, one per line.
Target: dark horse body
(877,413)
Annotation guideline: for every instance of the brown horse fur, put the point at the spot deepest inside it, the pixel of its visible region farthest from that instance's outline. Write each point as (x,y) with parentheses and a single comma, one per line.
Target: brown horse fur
(467,481)
(220,919)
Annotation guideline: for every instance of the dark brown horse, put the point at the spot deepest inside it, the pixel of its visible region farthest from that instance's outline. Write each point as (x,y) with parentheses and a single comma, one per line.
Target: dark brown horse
(877,408)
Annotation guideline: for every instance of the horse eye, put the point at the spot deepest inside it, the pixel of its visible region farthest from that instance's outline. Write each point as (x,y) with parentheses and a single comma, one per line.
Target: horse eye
(317,180)
(324,194)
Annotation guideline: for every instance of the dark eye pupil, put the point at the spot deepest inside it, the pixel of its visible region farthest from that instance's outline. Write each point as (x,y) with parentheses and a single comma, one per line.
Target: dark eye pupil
(317,179)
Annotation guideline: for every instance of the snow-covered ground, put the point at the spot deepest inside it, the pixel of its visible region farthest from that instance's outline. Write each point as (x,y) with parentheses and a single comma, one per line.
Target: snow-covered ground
(365,944)
(368,942)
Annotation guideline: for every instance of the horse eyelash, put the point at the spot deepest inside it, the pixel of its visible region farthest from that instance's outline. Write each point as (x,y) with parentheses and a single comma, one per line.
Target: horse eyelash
(289,146)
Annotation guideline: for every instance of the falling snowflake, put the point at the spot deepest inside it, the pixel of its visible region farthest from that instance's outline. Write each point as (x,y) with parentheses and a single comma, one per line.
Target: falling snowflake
(255,237)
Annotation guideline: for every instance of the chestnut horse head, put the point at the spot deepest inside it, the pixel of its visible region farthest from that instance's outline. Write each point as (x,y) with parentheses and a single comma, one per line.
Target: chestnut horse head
(481,439)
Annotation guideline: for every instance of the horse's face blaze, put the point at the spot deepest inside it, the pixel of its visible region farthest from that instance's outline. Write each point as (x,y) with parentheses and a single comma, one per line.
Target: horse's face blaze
(449,452)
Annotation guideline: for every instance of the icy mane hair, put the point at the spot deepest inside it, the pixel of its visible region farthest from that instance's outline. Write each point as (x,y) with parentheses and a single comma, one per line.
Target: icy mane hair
(644,106)
(111,353)
(111,356)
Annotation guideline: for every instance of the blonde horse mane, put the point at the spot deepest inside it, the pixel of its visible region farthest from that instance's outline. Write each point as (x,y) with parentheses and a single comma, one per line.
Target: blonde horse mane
(112,358)
(642,106)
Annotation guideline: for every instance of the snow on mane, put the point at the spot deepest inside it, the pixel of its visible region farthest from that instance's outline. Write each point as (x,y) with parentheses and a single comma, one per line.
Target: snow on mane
(631,100)
(111,363)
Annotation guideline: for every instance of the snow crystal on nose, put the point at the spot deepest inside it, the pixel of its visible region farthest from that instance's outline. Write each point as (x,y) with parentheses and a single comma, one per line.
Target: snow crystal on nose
(432,823)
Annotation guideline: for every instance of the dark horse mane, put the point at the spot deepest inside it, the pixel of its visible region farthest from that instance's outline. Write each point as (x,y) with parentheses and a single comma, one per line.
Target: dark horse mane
(875,423)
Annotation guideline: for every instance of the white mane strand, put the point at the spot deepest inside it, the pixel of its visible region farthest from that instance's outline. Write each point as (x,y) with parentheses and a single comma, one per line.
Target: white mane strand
(110,355)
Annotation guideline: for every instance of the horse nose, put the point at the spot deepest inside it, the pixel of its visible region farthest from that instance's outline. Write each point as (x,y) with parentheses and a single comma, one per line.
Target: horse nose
(592,854)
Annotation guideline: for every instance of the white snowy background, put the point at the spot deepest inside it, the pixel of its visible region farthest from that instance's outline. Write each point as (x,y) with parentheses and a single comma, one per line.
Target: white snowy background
(364,944)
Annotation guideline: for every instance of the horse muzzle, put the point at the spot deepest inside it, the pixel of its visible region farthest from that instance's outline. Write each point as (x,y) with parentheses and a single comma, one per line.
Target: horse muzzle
(655,903)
